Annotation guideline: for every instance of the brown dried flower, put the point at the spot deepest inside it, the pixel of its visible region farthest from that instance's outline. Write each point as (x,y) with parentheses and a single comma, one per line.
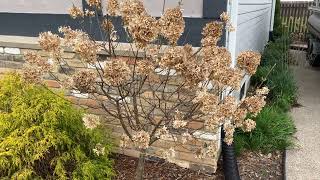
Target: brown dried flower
(117,72)
(84,81)
(32,74)
(35,59)
(144,67)
(91,121)
(208,101)
(143,29)
(75,12)
(225,17)
(94,3)
(229,132)
(249,61)
(239,116)
(113,7)
(248,125)
(141,139)
(263,91)
(51,43)
(211,33)
(254,104)
(87,49)
(172,24)
(107,25)
(130,8)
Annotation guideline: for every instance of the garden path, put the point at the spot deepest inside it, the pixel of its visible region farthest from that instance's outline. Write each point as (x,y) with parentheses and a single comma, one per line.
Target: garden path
(303,161)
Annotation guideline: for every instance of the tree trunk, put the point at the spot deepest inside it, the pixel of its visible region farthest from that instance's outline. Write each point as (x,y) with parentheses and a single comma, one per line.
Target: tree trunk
(140,167)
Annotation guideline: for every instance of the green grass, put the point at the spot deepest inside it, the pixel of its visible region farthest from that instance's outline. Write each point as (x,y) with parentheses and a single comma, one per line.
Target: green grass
(274,125)
(273,132)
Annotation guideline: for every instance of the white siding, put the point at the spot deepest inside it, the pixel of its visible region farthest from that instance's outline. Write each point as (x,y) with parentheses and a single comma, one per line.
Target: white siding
(253,24)
(38,6)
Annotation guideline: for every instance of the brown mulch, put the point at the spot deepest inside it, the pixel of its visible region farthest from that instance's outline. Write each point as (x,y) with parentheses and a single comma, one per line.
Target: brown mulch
(252,165)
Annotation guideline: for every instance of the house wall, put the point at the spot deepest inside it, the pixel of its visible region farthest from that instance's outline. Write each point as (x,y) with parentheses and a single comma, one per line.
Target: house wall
(30,17)
(253,24)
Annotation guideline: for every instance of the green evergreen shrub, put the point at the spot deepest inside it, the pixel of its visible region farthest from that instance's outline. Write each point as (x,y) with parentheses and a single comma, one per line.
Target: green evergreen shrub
(42,136)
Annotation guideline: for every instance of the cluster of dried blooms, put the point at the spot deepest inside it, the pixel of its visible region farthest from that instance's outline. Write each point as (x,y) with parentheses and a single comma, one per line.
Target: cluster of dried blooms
(91,121)
(76,12)
(249,60)
(84,81)
(140,91)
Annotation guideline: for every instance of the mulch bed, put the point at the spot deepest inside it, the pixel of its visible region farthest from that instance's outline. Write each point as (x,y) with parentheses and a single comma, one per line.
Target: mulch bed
(252,165)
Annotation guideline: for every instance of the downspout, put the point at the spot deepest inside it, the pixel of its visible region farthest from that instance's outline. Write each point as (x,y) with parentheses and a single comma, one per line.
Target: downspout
(230,166)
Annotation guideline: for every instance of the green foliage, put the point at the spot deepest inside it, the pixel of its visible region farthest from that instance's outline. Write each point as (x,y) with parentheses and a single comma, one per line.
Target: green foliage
(42,136)
(274,127)
(273,132)
(277,26)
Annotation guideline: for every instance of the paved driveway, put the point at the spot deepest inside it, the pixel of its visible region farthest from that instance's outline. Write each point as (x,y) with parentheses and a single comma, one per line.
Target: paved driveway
(303,162)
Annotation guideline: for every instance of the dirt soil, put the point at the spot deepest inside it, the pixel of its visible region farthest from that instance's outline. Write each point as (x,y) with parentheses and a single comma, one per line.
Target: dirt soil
(252,165)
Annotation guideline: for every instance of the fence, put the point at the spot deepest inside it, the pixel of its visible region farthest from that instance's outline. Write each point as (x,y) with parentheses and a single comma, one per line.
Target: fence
(294,16)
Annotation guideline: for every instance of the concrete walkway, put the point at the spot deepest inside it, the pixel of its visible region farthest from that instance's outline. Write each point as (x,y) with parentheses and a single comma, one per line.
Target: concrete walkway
(303,162)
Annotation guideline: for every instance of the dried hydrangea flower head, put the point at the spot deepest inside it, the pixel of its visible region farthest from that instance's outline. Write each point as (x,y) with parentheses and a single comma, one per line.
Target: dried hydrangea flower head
(239,115)
(91,121)
(113,7)
(263,91)
(213,121)
(71,36)
(51,43)
(211,33)
(76,12)
(87,49)
(94,3)
(35,59)
(172,24)
(249,61)
(227,108)
(117,72)
(178,121)
(141,139)
(225,17)
(124,141)
(229,132)
(31,74)
(248,125)
(143,28)
(99,149)
(84,81)
(254,104)
(130,8)
(144,67)
(107,25)
(162,133)
(208,101)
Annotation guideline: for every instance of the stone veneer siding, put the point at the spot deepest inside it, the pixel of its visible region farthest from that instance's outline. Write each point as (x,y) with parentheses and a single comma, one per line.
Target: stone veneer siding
(11,59)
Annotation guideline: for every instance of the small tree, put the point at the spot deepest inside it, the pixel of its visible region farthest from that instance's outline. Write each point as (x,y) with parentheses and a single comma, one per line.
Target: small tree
(161,88)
